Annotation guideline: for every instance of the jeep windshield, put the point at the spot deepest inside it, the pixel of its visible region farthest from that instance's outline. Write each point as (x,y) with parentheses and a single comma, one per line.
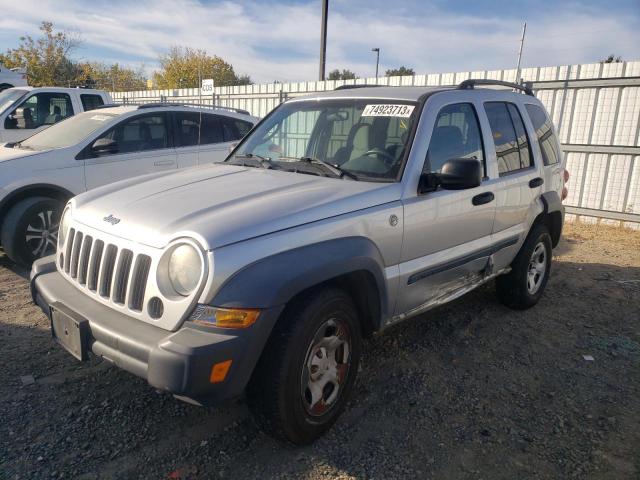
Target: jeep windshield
(355,138)
(68,132)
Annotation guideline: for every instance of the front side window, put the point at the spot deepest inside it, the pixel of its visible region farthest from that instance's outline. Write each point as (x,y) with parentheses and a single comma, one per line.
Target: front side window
(456,134)
(138,134)
(40,109)
(234,129)
(544,131)
(509,137)
(91,102)
(366,138)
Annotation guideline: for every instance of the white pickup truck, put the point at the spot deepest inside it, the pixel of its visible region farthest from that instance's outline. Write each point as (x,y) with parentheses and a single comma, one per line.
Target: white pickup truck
(25,111)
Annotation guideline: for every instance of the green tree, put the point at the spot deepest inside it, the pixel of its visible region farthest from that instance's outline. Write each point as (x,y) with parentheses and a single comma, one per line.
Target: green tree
(399,71)
(341,75)
(115,78)
(183,67)
(46,59)
(611,59)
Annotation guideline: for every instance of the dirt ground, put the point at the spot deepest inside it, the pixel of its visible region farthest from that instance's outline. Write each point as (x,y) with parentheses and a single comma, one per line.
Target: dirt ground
(471,390)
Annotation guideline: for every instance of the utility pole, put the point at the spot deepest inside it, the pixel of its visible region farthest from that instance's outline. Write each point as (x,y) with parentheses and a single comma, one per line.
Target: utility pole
(524,30)
(377,50)
(323,39)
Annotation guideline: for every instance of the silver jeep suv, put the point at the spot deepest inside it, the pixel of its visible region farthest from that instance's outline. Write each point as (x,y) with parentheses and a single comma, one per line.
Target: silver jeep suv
(339,214)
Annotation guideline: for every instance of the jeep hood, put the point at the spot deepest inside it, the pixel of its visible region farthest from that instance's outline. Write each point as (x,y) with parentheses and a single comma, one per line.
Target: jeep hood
(222,204)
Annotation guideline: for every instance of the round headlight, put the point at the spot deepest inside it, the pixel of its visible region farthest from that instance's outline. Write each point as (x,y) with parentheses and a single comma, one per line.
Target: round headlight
(63,228)
(185,269)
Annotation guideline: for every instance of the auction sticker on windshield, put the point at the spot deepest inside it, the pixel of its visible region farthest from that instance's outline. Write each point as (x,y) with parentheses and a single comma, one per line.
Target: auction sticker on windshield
(388,110)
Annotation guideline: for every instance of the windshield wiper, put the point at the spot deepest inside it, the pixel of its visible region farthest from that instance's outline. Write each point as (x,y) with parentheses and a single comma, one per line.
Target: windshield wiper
(264,162)
(334,169)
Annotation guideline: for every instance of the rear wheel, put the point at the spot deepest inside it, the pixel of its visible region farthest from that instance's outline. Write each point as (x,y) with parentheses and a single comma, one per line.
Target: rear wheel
(30,229)
(4,86)
(524,285)
(308,369)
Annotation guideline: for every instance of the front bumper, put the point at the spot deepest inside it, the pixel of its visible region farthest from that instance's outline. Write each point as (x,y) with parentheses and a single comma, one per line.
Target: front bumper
(178,362)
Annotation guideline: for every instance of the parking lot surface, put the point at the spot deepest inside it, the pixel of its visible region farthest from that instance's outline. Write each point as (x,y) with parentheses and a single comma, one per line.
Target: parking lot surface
(471,390)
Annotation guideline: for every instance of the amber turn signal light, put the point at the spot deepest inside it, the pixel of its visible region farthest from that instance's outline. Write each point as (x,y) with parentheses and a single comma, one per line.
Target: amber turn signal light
(224,317)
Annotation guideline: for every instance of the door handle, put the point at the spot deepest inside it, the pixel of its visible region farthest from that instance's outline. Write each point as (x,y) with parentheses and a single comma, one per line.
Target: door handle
(159,163)
(536,182)
(483,198)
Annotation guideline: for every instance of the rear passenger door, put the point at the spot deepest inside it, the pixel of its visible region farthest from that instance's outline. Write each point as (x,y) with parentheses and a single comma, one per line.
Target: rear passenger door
(519,181)
(218,136)
(187,137)
(143,145)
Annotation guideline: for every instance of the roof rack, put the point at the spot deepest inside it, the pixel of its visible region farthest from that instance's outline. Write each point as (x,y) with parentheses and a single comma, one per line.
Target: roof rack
(358,85)
(185,104)
(472,82)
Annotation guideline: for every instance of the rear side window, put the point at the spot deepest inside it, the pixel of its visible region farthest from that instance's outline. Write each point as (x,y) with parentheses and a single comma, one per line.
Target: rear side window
(211,130)
(234,129)
(188,128)
(544,131)
(456,134)
(509,136)
(90,102)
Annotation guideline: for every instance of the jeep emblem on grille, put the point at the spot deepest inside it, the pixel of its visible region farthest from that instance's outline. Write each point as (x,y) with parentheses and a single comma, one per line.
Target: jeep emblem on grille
(111,219)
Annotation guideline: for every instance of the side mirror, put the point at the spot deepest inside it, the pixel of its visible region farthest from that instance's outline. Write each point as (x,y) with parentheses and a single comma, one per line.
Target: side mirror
(455,174)
(460,174)
(104,146)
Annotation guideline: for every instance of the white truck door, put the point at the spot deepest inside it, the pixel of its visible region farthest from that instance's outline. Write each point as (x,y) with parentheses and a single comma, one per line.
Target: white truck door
(35,113)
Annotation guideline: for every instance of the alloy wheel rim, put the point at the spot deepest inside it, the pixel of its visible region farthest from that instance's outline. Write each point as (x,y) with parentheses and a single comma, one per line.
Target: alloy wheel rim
(537,268)
(41,236)
(326,367)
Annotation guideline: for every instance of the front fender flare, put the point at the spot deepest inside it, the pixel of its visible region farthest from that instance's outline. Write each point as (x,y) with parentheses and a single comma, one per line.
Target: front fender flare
(276,279)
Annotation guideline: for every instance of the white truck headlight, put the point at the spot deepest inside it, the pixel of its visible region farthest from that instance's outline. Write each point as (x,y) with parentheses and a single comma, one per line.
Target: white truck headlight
(184,269)
(63,228)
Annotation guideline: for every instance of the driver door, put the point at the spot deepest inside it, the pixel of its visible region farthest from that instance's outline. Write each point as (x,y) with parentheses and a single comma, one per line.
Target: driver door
(447,233)
(37,112)
(143,145)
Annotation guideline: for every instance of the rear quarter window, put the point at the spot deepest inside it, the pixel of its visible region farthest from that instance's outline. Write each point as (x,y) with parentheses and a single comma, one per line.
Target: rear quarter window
(91,102)
(544,132)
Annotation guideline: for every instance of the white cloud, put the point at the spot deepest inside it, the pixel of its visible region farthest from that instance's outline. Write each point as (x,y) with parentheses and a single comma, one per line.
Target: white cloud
(241,33)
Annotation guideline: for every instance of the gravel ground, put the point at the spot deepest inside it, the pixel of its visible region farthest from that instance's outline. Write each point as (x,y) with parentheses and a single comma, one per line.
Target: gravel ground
(470,390)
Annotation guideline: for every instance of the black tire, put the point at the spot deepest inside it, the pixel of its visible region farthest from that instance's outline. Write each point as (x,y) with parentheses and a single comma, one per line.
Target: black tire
(514,289)
(275,392)
(19,222)
(4,86)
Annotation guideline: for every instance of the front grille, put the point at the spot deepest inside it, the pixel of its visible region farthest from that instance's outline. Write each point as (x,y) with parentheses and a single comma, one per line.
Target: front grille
(116,274)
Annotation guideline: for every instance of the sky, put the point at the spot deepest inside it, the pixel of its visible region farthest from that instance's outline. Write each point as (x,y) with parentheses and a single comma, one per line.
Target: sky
(279,40)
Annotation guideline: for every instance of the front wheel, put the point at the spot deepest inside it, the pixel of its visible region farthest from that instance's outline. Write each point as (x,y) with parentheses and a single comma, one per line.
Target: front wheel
(30,229)
(523,286)
(309,366)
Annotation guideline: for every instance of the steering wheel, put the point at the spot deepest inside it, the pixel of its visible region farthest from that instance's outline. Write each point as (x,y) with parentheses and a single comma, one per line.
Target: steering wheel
(388,159)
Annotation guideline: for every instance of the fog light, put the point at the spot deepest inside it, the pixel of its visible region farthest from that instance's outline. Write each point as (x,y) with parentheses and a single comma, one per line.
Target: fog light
(224,317)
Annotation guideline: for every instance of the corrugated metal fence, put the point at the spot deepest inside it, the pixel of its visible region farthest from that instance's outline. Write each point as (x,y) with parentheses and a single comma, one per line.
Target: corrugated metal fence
(596,108)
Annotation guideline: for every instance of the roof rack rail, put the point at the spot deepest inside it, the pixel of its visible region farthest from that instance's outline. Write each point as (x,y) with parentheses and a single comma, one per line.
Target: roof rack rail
(472,82)
(355,85)
(184,104)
